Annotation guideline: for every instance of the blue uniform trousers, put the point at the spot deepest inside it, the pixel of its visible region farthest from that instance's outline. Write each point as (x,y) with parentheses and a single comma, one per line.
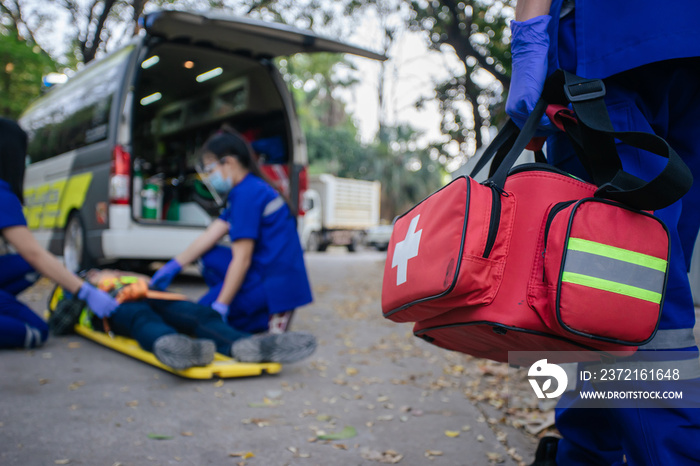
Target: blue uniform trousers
(20,327)
(248,310)
(663,98)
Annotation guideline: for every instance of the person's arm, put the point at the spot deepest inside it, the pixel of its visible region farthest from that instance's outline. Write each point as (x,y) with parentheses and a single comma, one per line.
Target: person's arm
(204,242)
(43,261)
(242,250)
(528,9)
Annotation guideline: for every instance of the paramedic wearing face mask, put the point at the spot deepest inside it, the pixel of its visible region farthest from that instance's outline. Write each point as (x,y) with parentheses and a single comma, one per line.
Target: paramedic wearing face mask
(22,259)
(263,273)
(647,54)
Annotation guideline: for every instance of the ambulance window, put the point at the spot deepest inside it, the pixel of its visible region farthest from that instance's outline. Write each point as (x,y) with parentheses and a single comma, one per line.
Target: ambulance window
(77,113)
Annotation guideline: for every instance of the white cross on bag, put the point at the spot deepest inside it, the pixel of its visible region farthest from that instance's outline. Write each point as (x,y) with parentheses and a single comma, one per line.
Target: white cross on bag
(405,250)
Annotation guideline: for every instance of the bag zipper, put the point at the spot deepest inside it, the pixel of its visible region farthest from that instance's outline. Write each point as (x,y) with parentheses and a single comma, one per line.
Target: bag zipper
(550,218)
(495,219)
(527,167)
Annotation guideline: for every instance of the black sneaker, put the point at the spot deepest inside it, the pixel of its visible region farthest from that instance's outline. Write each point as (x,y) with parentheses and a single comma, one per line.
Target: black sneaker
(65,316)
(182,352)
(270,347)
(546,454)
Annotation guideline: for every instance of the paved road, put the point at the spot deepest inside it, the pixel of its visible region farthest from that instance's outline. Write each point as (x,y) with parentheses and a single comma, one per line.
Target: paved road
(74,402)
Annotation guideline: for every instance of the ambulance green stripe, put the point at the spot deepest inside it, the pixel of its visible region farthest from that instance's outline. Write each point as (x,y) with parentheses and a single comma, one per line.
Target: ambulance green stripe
(578,244)
(606,285)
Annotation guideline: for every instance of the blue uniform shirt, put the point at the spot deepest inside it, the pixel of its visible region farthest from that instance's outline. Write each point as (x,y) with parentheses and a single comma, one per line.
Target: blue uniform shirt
(10,208)
(256,211)
(607,37)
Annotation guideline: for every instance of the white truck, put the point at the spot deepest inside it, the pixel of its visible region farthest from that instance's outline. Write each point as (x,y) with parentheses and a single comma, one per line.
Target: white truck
(339,211)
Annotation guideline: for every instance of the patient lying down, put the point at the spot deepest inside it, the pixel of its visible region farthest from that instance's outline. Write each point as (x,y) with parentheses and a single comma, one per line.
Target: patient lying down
(182,334)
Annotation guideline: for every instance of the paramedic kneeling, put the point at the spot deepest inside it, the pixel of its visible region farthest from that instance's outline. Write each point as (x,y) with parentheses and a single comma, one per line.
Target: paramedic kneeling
(20,327)
(263,273)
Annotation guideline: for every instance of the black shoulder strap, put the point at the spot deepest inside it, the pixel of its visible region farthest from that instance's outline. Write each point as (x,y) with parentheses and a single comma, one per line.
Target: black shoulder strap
(594,140)
(597,147)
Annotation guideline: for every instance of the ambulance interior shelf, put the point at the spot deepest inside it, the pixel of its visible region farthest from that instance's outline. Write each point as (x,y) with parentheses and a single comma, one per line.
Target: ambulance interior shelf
(167,187)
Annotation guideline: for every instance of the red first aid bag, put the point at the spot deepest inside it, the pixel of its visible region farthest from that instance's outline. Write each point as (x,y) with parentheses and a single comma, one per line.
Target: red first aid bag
(534,259)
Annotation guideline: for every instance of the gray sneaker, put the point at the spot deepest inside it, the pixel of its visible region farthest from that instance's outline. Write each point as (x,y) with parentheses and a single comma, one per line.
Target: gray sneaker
(182,352)
(269,347)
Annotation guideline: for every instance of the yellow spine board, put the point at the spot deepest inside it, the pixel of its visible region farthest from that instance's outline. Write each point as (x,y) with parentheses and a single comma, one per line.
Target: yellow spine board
(222,367)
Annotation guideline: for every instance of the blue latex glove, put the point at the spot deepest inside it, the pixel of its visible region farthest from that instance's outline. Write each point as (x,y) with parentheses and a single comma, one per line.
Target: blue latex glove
(221,308)
(529,46)
(99,302)
(162,278)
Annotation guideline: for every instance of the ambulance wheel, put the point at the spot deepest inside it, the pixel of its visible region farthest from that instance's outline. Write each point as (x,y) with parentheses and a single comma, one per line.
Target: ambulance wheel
(75,255)
(313,243)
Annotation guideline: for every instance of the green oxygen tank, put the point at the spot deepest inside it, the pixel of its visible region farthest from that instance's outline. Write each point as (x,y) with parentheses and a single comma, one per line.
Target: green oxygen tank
(173,213)
(151,200)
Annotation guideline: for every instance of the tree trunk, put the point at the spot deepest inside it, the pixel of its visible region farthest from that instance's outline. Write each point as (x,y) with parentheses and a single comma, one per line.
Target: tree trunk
(90,51)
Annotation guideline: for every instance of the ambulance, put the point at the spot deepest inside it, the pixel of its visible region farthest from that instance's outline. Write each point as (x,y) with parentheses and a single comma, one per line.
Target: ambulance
(113,152)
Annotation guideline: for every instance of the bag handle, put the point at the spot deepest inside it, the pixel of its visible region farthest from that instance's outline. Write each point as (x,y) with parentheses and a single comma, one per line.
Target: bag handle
(595,137)
(500,145)
(521,141)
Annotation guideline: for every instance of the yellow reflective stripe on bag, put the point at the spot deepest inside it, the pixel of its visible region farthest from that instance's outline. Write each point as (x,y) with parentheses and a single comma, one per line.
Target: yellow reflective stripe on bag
(614,269)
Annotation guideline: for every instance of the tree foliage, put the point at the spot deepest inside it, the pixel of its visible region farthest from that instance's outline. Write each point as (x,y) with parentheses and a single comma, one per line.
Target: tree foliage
(408,173)
(477,32)
(23,66)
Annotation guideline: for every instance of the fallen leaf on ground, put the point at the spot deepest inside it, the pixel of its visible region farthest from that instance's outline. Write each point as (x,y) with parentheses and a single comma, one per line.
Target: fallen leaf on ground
(76,385)
(494,457)
(452,433)
(266,403)
(132,404)
(257,421)
(74,344)
(243,454)
(535,426)
(387,457)
(159,437)
(297,453)
(62,461)
(347,432)
(186,434)
(431,453)
(219,383)
(43,381)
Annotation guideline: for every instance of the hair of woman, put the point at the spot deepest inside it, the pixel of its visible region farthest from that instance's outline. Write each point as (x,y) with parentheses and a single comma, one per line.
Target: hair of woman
(13,153)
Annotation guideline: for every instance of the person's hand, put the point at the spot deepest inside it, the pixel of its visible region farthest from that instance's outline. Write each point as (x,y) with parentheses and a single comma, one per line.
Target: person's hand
(529,46)
(99,302)
(162,278)
(221,308)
